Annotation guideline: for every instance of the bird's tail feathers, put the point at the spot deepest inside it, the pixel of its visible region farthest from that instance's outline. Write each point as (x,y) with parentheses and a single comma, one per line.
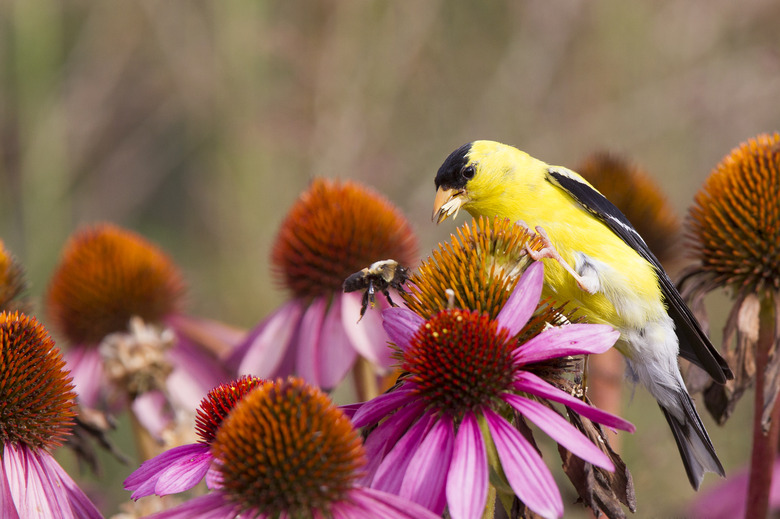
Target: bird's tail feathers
(696,449)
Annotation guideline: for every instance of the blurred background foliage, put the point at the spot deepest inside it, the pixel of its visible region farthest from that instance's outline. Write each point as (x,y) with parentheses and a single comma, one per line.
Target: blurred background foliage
(198,123)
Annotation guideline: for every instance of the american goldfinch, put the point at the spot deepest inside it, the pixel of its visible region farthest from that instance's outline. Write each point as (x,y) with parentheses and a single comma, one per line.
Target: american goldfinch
(598,261)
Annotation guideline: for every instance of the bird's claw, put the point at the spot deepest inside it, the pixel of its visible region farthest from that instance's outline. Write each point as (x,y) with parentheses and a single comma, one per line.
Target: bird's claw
(550,252)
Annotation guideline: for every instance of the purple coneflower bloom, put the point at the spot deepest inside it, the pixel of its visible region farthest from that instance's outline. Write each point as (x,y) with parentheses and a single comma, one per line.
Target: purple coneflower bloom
(333,230)
(286,451)
(36,414)
(181,468)
(107,278)
(466,372)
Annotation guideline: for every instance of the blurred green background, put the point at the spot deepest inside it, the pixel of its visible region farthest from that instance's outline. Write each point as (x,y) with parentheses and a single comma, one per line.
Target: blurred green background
(198,123)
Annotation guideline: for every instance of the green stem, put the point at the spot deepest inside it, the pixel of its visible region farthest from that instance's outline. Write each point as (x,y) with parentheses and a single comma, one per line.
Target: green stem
(366,385)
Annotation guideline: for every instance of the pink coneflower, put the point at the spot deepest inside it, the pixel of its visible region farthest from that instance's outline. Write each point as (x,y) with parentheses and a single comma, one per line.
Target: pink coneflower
(36,414)
(183,467)
(466,373)
(286,451)
(333,230)
(117,299)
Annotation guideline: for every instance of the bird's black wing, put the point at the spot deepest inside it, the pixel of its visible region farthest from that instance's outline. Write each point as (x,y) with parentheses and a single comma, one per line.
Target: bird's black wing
(695,346)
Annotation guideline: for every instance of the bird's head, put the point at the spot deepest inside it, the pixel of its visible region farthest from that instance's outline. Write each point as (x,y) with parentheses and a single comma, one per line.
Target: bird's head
(476,177)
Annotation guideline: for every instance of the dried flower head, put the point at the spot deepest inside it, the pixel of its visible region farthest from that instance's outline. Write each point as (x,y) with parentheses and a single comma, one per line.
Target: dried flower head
(36,395)
(637,196)
(734,227)
(334,229)
(476,271)
(106,276)
(12,283)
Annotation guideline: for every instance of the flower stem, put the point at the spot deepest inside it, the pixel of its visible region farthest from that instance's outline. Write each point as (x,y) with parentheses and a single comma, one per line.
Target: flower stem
(366,385)
(764,443)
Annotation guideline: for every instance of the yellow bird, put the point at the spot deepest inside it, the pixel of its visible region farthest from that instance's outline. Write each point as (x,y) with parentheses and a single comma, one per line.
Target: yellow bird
(597,260)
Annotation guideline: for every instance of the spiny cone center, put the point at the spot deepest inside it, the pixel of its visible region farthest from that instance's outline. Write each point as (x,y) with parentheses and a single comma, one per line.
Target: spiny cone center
(108,275)
(216,405)
(460,361)
(480,266)
(336,229)
(36,394)
(286,448)
(735,221)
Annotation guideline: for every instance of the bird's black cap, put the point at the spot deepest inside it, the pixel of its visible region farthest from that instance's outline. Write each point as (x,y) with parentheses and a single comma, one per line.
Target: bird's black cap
(450,173)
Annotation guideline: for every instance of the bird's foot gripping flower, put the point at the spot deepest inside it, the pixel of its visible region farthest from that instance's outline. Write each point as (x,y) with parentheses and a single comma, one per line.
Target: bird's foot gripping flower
(286,451)
(470,378)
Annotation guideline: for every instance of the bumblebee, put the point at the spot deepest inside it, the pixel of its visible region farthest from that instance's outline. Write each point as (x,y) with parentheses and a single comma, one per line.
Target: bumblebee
(379,277)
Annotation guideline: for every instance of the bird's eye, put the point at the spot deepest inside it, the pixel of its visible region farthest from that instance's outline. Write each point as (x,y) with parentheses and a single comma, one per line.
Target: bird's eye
(468,173)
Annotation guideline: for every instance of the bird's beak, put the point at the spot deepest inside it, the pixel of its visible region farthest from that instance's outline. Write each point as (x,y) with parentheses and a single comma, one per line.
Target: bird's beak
(447,202)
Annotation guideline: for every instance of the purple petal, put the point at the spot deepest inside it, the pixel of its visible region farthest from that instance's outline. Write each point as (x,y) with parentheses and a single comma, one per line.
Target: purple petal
(381,505)
(525,470)
(86,368)
(7,506)
(195,372)
(37,483)
(560,430)
(337,351)
(153,412)
(377,408)
(562,341)
(386,436)
(390,473)
(80,505)
(350,409)
(524,299)
(307,343)
(264,347)
(426,477)
(468,470)
(401,324)
(175,470)
(534,385)
(218,338)
(211,506)
(367,336)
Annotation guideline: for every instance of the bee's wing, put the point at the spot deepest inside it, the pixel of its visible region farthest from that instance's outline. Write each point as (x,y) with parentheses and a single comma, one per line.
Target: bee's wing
(695,346)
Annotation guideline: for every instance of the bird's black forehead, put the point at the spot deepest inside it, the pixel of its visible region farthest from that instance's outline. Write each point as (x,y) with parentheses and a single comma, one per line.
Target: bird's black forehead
(449,172)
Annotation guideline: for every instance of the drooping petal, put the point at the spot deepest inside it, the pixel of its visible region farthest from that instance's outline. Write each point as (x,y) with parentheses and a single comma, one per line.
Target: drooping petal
(40,488)
(401,324)
(153,412)
(562,341)
(7,505)
(367,336)
(467,479)
(377,408)
(86,368)
(309,356)
(390,473)
(195,372)
(214,505)
(426,477)
(530,383)
(218,338)
(264,347)
(386,435)
(560,430)
(173,471)
(381,505)
(337,351)
(80,505)
(524,299)
(525,470)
